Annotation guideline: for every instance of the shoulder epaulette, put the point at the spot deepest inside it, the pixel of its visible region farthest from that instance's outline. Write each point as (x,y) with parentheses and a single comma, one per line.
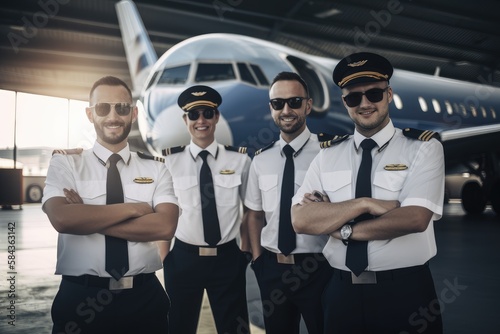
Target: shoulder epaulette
(78,150)
(423,135)
(242,149)
(325,136)
(334,141)
(259,151)
(143,155)
(172,150)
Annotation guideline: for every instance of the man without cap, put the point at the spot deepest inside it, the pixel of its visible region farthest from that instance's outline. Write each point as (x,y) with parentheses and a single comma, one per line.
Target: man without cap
(109,204)
(291,277)
(205,255)
(383,188)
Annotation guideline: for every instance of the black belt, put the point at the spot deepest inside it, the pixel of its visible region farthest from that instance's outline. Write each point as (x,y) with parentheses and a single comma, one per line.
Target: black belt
(206,250)
(107,282)
(294,258)
(377,276)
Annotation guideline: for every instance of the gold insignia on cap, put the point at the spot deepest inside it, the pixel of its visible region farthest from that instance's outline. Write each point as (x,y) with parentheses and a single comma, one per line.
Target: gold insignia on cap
(358,63)
(392,167)
(227,171)
(198,93)
(143,180)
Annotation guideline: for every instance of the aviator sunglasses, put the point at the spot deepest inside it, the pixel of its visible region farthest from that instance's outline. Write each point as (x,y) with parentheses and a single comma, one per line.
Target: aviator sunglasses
(373,95)
(293,102)
(195,114)
(102,109)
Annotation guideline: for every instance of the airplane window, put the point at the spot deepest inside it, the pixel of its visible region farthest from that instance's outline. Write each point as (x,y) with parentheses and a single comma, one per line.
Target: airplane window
(473,110)
(214,72)
(436,105)
(260,75)
(316,86)
(449,108)
(493,113)
(463,109)
(174,75)
(245,74)
(397,101)
(483,112)
(423,104)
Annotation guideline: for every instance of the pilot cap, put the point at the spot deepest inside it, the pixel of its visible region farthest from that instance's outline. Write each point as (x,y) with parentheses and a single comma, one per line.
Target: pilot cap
(360,68)
(199,96)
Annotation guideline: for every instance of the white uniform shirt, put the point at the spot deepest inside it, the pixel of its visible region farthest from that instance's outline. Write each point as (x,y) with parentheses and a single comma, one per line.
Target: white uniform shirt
(86,174)
(334,172)
(264,189)
(229,172)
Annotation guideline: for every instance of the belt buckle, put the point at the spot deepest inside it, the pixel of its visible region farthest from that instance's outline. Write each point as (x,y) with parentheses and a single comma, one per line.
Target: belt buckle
(282,258)
(366,277)
(122,283)
(207,251)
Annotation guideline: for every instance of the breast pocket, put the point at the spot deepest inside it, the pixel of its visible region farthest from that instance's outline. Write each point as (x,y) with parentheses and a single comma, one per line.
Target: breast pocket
(268,185)
(388,184)
(226,189)
(92,192)
(139,193)
(187,190)
(337,185)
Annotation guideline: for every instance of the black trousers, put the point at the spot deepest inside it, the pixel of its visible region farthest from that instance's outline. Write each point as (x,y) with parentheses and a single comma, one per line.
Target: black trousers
(187,275)
(82,308)
(291,290)
(402,301)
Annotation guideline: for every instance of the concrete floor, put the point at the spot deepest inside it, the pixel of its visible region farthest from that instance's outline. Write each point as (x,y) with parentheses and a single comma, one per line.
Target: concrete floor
(466,272)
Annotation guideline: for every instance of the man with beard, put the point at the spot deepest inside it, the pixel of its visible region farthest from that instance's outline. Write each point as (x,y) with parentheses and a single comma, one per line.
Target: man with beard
(290,269)
(383,189)
(109,206)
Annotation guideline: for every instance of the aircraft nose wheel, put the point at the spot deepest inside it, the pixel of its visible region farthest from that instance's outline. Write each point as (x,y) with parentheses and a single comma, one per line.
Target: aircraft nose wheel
(34,194)
(473,200)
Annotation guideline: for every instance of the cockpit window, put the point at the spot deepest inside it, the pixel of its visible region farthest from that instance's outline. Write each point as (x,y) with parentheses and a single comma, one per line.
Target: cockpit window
(260,75)
(214,72)
(245,74)
(174,75)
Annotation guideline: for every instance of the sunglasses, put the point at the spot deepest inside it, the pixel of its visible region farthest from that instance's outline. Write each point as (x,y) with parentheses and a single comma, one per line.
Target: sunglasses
(373,95)
(195,114)
(102,109)
(293,102)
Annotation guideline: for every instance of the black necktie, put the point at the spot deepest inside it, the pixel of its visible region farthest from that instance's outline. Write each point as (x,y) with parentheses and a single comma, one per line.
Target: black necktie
(357,256)
(116,248)
(286,237)
(211,228)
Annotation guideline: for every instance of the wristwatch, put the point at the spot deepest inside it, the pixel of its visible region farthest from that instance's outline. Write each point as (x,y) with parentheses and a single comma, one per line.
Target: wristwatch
(345,233)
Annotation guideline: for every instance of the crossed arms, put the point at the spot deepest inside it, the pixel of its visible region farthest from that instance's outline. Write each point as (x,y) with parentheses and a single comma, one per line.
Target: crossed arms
(130,221)
(315,216)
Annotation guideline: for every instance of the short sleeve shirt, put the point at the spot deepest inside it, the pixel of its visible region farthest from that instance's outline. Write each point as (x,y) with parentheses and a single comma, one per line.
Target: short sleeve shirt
(86,174)
(229,172)
(334,172)
(264,189)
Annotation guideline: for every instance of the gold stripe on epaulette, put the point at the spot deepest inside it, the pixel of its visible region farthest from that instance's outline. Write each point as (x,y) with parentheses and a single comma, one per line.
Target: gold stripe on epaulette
(325,144)
(426,135)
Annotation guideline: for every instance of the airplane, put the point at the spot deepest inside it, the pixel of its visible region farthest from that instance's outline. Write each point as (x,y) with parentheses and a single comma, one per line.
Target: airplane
(466,115)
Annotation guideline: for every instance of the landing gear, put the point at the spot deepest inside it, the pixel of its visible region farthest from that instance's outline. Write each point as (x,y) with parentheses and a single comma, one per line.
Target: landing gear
(34,194)
(473,200)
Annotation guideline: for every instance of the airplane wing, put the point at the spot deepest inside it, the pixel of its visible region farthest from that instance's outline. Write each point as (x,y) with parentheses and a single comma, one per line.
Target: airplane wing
(470,142)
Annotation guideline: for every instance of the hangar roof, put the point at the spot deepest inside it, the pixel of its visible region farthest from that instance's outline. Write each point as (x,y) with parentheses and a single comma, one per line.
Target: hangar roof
(60,47)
